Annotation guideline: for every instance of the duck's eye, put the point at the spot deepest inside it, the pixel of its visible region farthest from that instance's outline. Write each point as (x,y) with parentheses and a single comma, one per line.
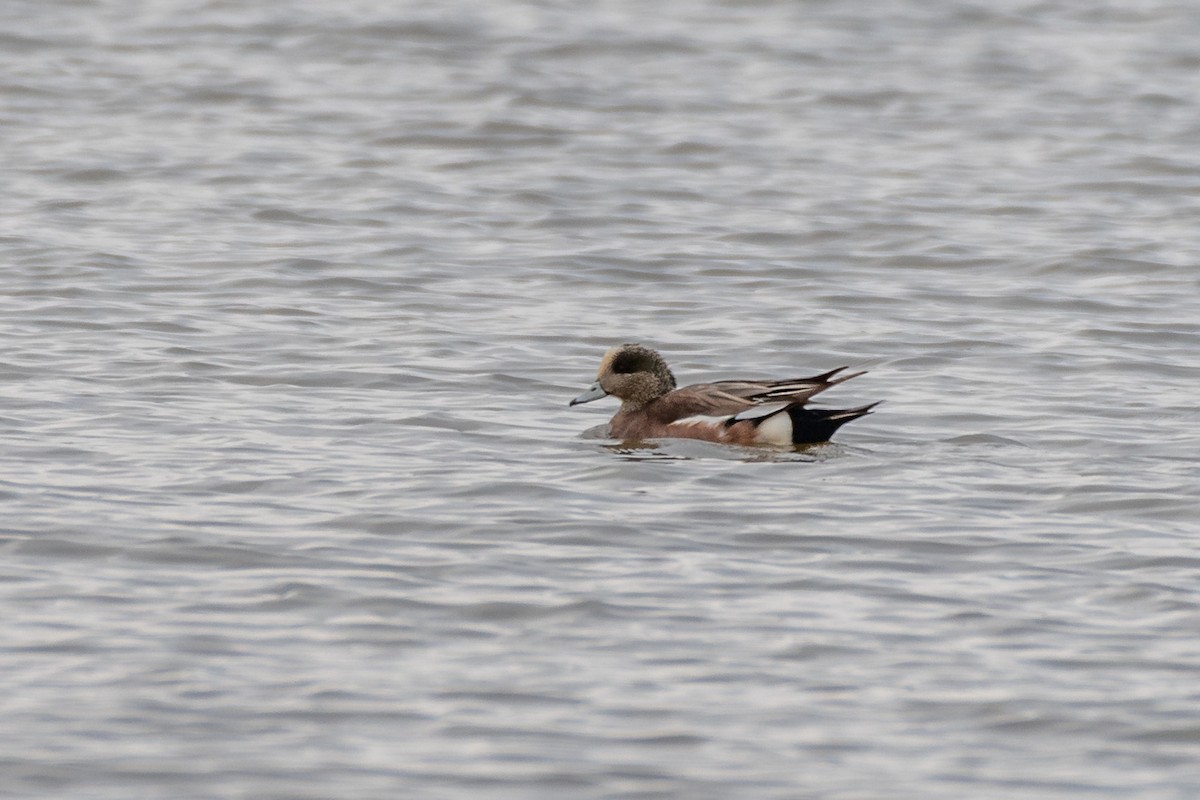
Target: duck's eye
(626,363)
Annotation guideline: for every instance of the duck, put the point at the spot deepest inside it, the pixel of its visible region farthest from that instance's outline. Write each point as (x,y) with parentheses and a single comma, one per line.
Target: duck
(741,412)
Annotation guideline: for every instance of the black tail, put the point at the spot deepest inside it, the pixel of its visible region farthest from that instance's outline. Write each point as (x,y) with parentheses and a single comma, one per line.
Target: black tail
(813,425)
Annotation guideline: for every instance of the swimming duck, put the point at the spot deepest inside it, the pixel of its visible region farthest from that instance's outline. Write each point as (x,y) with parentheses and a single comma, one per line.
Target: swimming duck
(730,412)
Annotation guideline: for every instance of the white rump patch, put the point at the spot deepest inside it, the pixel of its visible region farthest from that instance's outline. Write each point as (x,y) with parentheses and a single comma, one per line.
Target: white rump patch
(775,426)
(775,430)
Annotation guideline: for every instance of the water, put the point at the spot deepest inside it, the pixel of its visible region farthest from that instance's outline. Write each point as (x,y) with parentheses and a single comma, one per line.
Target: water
(295,297)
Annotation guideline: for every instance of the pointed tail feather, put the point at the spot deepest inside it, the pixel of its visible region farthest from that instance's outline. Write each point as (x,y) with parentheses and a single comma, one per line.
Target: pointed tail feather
(847,414)
(812,425)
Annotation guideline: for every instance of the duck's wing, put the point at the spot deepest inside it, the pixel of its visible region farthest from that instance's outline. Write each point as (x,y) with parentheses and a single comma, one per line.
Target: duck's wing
(699,400)
(744,399)
(792,390)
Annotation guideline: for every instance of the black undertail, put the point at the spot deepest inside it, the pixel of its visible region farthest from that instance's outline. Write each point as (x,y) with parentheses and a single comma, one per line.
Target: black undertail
(814,425)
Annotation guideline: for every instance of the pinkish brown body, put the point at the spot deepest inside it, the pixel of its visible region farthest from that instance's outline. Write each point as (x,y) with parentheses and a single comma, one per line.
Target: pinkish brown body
(730,412)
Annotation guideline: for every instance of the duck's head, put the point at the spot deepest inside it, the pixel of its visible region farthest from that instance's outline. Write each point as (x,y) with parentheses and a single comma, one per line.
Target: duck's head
(633,373)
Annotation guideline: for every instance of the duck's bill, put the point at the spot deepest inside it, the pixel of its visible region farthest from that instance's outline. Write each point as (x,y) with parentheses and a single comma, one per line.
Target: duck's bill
(594,392)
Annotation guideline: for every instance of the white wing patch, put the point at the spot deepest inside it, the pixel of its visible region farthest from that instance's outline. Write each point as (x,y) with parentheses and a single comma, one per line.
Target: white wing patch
(760,411)
(702,419)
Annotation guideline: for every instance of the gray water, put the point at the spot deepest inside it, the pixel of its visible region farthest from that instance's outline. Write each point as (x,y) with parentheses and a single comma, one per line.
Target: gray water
(295,295)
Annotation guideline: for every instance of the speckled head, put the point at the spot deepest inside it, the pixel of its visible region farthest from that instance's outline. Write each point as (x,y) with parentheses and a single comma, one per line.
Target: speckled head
(635,374)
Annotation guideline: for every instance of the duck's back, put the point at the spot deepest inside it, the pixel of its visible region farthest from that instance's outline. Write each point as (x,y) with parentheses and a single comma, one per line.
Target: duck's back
(737,412)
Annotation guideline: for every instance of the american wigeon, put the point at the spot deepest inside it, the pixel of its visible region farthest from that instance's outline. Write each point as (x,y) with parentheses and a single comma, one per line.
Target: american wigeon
(731,412)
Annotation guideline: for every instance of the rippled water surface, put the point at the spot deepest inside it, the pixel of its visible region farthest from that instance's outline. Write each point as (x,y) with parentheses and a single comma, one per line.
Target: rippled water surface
(295,295)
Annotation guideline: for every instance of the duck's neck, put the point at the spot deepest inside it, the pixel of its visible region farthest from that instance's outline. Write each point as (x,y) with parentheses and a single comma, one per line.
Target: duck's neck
(634,404)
